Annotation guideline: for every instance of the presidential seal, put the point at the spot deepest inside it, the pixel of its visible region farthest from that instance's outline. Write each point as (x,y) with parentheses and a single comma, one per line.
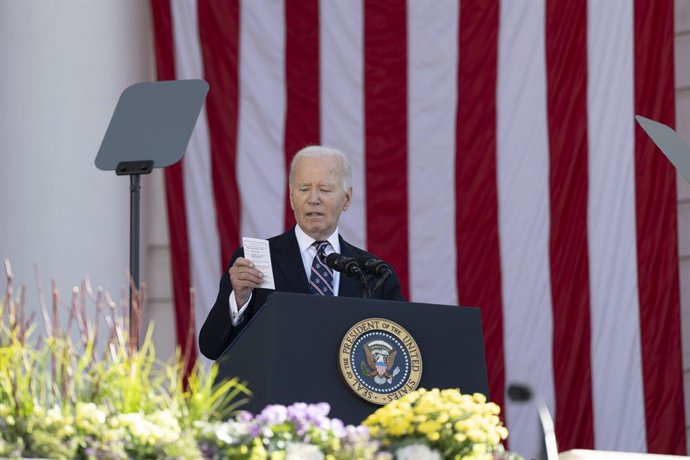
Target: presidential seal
(379,360)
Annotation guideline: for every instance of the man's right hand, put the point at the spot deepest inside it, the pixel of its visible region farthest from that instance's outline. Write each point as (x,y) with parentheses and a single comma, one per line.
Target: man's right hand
(244,278)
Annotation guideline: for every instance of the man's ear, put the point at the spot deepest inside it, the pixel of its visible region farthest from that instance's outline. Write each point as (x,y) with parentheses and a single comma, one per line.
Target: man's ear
(348,199)
(291,197)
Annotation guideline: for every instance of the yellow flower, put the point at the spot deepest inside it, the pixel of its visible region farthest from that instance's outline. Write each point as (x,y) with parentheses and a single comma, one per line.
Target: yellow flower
(465,425)
(420,418)
(479,449)
(446,416)
(479,397)
(433,436)
(494,438)
(258,451)
(278,455)
(428,427)
(399,428)
(476,435)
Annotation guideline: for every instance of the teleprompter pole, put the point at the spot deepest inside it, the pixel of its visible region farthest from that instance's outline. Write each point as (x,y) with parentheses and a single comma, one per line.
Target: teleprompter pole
(134,169)
(134,215)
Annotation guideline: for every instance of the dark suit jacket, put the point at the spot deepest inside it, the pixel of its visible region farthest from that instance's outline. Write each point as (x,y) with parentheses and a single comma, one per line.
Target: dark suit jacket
(288,275)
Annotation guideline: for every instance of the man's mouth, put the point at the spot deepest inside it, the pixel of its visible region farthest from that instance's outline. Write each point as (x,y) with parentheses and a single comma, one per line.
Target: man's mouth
(314,214)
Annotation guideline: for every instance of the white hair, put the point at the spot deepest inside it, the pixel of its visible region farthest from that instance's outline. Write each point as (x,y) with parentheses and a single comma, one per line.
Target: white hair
(313,151)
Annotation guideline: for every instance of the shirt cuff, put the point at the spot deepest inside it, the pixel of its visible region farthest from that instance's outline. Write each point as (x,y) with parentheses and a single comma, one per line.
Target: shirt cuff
(237,315)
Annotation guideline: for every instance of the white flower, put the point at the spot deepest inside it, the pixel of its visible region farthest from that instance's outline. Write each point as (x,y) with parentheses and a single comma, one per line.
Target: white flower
(53,416)
(89,415)
(158,428)
(231,432)
(417,452)
(303,451)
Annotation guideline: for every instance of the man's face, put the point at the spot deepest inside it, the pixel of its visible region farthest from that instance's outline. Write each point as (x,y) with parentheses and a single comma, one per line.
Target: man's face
(317,196)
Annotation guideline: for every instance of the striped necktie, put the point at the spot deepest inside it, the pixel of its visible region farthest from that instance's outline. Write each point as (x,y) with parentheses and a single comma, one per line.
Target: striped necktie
(321,278)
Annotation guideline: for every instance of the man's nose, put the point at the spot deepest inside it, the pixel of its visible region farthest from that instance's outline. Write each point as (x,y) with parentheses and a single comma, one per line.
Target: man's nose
(314,196)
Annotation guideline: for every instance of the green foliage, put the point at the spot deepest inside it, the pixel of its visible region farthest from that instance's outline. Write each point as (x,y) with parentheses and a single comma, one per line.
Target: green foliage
(62,397)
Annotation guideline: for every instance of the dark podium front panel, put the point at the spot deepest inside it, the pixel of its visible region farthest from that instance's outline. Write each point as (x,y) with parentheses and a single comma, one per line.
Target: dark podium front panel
(289,350)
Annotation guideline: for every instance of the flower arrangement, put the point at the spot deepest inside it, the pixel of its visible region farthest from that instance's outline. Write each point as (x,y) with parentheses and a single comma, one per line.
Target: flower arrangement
(296,432)
(80,390)
(83,392)
(440,424)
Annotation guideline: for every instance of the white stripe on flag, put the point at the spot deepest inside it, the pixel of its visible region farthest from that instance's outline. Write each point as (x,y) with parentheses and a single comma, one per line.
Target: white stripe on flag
(260,160)
(342,106)
(204,251)
(432,99)
(523,185)
(616,362)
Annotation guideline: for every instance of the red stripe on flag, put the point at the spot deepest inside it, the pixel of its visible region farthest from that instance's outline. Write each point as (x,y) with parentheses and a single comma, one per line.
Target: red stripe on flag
(566,69)
(219,34)
(163,37)
(302,119)
(385,115)
(478,253)
(174,192)
(657,239)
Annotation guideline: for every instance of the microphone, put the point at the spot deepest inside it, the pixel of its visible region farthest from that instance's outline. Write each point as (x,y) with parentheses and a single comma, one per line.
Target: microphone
(377,267)
(346,265)
(349,266)
(522,393)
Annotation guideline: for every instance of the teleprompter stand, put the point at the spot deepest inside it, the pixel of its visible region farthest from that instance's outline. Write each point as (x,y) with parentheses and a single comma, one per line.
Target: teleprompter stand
(150,128)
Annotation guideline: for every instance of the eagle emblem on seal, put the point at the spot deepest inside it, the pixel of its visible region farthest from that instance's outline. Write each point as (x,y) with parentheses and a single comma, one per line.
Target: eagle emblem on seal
(380,357)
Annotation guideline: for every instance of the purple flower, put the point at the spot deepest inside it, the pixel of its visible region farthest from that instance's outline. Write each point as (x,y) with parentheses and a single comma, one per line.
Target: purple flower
(277,425)
(338,428)
(254,430)
(318,411)
(306,416)
(244,416)
(273,414)
(297,412)
(356,434)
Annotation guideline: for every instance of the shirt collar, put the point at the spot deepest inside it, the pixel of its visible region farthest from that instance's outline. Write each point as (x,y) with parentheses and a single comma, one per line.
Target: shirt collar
(304,241)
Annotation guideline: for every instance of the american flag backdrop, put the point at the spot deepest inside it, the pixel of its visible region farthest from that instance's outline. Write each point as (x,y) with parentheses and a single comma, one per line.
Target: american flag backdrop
(496,164)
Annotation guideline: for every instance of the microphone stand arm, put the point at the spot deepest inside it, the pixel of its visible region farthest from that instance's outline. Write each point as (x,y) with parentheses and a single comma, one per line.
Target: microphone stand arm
(363,285)
(382,279)
(547,426)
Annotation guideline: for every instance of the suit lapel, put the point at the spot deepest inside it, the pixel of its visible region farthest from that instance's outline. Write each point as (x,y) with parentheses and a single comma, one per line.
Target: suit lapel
(349,286)
(284,254)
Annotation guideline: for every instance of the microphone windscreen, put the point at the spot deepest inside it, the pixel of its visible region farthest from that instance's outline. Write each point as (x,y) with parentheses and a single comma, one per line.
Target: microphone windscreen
(519,392)
(367,263)
(331,259)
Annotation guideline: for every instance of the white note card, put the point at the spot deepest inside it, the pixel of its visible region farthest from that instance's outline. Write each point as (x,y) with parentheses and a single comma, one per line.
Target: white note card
(257,251)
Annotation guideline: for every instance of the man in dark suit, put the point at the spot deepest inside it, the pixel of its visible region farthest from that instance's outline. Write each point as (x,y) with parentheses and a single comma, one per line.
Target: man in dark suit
(320,190)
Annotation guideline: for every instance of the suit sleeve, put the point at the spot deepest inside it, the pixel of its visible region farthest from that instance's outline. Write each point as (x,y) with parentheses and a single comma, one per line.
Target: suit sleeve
(217,331)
